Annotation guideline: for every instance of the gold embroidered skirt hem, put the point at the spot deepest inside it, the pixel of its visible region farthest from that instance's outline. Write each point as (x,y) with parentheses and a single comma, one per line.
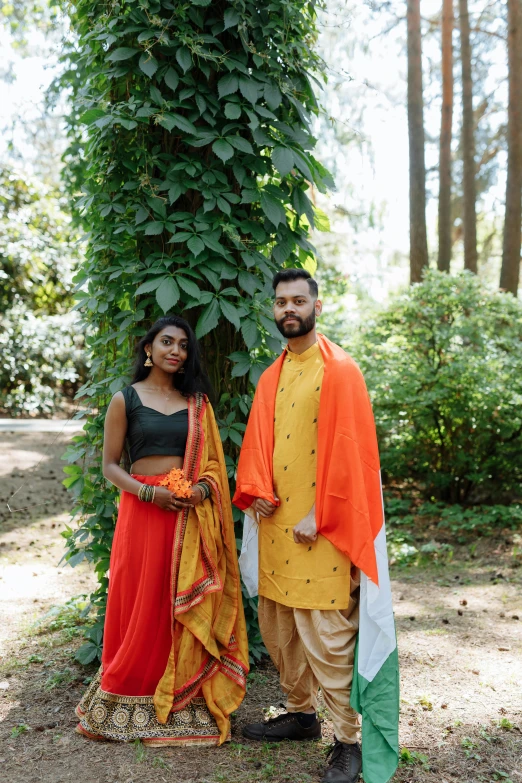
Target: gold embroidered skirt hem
(108,716)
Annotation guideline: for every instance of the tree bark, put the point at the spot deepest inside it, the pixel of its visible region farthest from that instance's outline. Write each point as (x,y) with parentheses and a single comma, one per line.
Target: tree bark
(418,233)
(468,144)
(510,272)
(445,225)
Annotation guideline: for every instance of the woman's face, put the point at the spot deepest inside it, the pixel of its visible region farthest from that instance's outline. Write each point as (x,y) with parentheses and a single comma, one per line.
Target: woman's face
(169,349)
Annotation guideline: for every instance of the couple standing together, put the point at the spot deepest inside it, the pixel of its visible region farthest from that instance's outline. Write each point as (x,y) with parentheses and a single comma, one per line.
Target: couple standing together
(175,656)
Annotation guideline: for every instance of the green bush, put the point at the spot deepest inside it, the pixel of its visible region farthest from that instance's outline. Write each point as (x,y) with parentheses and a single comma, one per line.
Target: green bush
(444,367)
(42,360)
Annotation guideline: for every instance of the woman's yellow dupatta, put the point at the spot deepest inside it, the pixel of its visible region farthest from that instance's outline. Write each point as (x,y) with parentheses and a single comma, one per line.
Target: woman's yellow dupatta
(209,640)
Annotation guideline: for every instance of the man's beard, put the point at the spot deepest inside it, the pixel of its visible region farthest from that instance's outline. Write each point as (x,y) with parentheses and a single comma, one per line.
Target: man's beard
(299,329)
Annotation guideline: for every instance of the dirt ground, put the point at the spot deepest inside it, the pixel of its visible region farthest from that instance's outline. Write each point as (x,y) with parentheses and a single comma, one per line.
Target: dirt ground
(460,641)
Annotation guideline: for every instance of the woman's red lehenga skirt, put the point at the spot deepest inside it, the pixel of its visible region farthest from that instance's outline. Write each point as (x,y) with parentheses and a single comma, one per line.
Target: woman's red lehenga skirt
(137,639)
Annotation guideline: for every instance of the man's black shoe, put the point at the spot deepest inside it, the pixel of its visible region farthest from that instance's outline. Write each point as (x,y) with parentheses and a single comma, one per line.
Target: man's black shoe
(283,727)
(345,763)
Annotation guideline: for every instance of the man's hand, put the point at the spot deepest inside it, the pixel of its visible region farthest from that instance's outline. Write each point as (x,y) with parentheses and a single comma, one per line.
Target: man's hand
(306,531)
(263,507)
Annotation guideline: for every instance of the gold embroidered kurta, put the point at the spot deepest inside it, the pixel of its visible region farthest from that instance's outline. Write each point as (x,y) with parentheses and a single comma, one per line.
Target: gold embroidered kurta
(306,576)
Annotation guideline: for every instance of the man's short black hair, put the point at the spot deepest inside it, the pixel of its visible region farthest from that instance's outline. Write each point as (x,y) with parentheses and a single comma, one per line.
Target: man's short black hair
(288,275)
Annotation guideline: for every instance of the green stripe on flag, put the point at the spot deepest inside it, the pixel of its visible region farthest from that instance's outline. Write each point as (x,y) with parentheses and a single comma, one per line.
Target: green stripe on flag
(378,703)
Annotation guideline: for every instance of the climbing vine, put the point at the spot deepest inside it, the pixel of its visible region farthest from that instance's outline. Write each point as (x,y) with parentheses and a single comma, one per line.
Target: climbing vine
(196,171)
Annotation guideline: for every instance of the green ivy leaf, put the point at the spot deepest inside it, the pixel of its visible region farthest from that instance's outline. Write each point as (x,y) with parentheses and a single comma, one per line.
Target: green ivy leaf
(171,79)
(230,313)
(123,53)
(154,228)
(249,88)
(223,149)
(241,144)
(302,204)
(87,653)
(265,113)
(235,436)
(167,294)
(184,59)
(248,282)
(148,64)
(232,111)
(156,95)
(167,121)
(129,125)
(249,331)
(223,205)
(283,160)
(273,209)
(175,192)
(242,363)
(183,124)
(302,164)
(208,319)
(201,103)
(195,245)
(227,85)
(91,115)
(149,285)
(273,96)
(231,18)
(189,286)
(79,557)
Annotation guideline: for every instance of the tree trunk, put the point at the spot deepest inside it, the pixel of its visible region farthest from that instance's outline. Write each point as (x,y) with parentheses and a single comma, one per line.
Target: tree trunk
(418,234)
(468,144)
(509,275)
(445,226)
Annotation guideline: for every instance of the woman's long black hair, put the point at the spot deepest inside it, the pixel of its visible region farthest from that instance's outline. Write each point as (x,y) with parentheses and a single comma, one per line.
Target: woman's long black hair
(194,379)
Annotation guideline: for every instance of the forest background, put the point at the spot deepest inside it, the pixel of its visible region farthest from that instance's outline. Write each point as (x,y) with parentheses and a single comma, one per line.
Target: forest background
(420,127)
(416,112)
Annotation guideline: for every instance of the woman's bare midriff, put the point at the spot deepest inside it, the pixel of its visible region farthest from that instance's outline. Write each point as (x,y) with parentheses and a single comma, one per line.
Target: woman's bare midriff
(154,466)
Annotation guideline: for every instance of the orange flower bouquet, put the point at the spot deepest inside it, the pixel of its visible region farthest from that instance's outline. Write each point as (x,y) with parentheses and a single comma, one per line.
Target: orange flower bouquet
(177,483)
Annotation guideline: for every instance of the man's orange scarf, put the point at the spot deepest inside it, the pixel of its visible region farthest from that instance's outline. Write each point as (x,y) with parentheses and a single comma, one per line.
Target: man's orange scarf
(348,500)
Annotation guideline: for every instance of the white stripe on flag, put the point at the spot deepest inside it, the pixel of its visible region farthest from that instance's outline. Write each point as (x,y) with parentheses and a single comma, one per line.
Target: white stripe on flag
(376,625)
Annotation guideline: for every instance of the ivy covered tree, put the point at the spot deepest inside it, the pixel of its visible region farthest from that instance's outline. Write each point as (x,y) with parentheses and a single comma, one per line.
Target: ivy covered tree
(197,179)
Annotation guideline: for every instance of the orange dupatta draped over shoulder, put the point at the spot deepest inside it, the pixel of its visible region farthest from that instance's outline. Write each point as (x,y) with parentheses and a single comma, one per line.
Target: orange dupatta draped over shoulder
(348,500)
(209,644)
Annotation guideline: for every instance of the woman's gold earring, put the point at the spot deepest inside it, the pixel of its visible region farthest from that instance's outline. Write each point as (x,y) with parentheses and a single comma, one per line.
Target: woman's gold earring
(148,362)
(181,371)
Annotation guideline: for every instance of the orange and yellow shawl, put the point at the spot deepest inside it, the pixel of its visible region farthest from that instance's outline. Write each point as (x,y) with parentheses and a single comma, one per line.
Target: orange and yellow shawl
(209,645)
(348,500)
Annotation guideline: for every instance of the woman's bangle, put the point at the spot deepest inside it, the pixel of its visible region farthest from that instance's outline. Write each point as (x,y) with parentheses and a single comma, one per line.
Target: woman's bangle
(205,490)
(146,493)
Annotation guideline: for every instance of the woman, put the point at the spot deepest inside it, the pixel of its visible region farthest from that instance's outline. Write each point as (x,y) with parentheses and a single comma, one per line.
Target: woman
(175,654)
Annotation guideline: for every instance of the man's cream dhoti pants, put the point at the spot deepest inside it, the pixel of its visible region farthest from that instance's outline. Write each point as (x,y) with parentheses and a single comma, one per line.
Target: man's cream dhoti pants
(314,648)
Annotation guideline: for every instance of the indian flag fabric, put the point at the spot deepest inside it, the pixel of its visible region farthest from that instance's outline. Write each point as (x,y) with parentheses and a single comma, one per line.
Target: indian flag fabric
(349,513)
(375,687)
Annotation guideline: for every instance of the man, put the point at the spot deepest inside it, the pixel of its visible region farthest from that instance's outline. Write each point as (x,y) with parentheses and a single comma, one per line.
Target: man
(309,470)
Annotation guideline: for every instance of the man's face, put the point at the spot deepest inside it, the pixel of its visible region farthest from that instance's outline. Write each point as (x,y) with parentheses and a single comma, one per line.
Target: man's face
(295,310)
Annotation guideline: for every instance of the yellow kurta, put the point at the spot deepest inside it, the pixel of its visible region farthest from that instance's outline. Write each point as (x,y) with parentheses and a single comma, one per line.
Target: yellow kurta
(305,576)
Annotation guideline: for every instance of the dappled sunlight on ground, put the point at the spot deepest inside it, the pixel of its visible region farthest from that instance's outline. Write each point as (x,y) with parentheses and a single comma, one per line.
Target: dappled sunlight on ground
(460,651)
